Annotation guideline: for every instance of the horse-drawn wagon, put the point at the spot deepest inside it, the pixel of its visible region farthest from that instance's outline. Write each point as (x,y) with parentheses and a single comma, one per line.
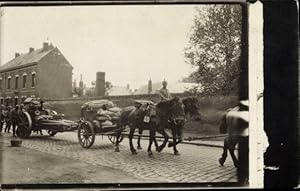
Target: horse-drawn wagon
(99,117)
(102,117)
(35,117)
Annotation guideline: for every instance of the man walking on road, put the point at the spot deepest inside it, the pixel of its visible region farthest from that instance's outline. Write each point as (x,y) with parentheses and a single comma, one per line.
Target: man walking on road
(236,122)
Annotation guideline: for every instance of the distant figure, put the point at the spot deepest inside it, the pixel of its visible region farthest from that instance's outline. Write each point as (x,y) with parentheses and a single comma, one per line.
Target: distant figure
(164,93)
(7,118)
(21,114)
(15,119)
(1,118)
(21,109)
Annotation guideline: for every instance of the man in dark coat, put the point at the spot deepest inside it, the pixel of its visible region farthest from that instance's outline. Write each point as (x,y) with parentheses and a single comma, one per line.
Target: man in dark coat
(7,119)
(1,118)
(15,118)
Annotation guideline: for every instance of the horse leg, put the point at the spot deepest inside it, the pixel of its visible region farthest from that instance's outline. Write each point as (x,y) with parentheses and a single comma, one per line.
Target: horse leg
(176,141)
(118,135)
(155,143)
(174,133)
(139,139)
(179,134)
(151,139)
(132,149)
(166,138)
(231,148)
(224,154)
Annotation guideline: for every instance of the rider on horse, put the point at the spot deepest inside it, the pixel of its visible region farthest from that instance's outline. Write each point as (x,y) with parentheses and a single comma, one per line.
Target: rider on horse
(164,93)
(148,106)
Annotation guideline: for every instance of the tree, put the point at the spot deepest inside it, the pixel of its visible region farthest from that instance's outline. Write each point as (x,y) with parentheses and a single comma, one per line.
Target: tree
(214,48)
(108,85)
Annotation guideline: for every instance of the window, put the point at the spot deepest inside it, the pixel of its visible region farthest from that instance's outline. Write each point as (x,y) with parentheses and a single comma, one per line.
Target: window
(0,84)
(17,82)
(24,81)
(8,83)
(33,80)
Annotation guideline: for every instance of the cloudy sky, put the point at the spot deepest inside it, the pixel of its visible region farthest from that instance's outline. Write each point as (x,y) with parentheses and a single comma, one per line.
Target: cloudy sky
(131,43)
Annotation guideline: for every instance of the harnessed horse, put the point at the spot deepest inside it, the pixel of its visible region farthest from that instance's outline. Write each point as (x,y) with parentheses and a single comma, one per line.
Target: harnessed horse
(191,108)
(167,113)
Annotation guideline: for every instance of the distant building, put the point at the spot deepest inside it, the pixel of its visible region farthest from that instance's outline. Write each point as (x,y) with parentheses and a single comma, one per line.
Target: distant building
(174,87)
(119,90)
(44,73)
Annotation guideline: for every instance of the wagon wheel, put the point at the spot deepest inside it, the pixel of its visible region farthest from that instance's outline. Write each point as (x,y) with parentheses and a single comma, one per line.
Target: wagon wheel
(24,125)
(86,134)
(23,132)
(51,133)
(113,138)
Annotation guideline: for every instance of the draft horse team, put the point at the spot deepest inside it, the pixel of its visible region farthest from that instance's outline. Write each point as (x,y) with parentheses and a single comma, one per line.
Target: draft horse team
(169,114)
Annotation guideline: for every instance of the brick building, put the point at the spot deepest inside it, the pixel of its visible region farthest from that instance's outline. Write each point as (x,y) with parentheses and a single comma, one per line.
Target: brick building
(44,73)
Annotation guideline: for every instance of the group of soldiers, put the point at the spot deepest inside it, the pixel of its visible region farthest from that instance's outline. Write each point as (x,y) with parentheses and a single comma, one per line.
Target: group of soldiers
(10,117)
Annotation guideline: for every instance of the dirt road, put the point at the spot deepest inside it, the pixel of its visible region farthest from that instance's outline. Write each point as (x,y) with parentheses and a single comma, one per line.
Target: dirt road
(21,165)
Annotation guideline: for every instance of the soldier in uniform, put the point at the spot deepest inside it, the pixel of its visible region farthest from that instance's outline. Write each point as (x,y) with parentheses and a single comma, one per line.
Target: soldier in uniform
(1,119)
(164,93)
(21,107)
(15,118)
(21,114)
(7,118)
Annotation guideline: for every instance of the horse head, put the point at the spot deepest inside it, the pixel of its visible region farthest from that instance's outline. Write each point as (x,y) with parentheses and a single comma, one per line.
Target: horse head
(191,107)
(177,114)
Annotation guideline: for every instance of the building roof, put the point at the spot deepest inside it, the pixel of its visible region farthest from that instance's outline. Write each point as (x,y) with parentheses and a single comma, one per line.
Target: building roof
(119,90)
(174,87)
(27,58)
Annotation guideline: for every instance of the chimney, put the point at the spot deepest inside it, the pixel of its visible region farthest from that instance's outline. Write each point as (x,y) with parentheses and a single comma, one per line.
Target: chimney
(17,54)
(149,86)
(31,49)
(81,82)
(45,45)
(100,84)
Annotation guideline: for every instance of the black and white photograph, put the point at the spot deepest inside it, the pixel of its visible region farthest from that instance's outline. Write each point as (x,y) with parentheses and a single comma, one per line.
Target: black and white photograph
(126,94)
(110,94)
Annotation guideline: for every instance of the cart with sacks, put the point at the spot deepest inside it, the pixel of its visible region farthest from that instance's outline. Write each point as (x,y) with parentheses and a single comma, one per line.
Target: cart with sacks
(98,117)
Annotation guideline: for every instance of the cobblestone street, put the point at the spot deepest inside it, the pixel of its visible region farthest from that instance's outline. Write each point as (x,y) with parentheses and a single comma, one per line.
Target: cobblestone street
(195,164)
